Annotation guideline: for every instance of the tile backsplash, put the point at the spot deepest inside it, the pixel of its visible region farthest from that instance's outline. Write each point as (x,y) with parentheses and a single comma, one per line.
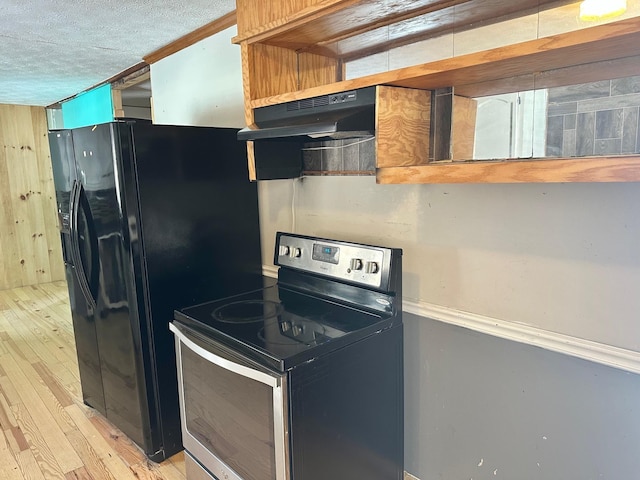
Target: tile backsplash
(598,118)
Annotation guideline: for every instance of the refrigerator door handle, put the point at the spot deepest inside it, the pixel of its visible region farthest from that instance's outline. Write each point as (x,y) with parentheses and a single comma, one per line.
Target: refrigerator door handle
(79,269)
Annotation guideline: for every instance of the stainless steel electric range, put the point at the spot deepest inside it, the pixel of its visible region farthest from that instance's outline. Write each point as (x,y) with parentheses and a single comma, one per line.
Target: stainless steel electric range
(301,379)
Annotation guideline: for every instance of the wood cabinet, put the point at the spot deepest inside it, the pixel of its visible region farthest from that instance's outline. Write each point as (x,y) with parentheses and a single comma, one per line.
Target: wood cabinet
(297,49)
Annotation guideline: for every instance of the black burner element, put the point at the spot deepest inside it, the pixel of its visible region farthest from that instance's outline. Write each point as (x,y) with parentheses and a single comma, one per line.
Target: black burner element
(247,311)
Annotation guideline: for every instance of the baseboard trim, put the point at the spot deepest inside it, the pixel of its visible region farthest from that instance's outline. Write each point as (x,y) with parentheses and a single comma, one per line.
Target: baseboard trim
(270,271)
(620,358)
(611,356)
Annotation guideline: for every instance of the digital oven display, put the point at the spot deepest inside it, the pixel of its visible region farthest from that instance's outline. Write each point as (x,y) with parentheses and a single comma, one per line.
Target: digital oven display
(326,253)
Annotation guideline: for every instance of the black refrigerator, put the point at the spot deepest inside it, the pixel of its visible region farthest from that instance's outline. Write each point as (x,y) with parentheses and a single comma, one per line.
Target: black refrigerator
(152,218)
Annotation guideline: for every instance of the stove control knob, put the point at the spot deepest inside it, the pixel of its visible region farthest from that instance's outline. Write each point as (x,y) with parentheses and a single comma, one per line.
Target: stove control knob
(283,250)
(295,252)
(372,267)
(356,264)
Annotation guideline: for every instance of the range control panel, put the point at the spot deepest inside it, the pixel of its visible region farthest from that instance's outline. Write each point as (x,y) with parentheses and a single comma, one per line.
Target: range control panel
(362,264)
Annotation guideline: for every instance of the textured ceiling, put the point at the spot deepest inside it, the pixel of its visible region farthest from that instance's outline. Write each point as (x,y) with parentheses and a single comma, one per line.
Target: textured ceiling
(53,49)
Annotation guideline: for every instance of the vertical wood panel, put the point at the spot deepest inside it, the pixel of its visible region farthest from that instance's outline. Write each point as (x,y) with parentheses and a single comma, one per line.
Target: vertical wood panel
(272,70)
(29,240)
(317,70)
(275,70)
(246,58)
(254,15)
(403,119)
(463,127)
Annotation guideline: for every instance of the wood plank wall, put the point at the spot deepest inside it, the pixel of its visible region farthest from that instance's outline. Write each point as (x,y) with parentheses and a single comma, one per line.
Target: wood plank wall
(30,251)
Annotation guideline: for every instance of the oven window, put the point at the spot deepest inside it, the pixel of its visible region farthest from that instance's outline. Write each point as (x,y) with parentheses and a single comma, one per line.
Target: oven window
(231,416)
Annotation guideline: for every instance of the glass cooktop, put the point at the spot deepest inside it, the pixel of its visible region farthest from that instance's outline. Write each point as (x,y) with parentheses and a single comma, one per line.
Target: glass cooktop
(279,327)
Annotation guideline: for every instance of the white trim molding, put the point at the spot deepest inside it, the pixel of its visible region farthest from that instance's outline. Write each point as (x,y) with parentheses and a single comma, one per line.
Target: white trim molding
(604,354)
(270,271)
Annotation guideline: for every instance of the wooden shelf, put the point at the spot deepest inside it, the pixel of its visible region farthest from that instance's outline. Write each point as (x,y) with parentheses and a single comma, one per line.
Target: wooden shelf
(306,23)
(351,29)
(602,43)
(587,169)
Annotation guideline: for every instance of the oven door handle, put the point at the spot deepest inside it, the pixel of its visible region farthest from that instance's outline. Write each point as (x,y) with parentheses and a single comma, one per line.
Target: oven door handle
(211,357)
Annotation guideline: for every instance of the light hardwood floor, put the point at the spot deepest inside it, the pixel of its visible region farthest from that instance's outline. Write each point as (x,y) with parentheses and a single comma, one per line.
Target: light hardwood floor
(47,431)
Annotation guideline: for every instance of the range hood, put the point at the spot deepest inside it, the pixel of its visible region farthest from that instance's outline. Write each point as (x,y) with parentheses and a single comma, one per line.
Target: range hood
(335,116)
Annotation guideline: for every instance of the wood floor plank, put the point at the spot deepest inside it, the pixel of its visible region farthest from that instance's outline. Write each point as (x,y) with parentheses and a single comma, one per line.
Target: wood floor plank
(29,330)
(93,463)
(28,465)
(47,422)
(177,460)
(6,417)
(51,318)
(11,442)
(13,325)
(17,436)
(79,474)
(171,471)
(61,395)
(60,334)
(8,391)
(9,469)
(46,396)
(3,348)
(128,451)
(3,304)
(114,463)
(41,450)
(152,471)
(53,350)
(67,375)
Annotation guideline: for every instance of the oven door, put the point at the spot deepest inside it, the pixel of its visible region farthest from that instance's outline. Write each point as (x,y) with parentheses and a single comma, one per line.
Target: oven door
(233,412)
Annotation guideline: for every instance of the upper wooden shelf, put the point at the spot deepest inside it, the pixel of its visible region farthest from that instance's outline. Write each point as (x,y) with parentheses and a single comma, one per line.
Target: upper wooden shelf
(603,43)
(352,29)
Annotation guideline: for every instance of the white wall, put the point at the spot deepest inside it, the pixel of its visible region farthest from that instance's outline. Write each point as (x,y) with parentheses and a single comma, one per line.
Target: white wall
(200,85)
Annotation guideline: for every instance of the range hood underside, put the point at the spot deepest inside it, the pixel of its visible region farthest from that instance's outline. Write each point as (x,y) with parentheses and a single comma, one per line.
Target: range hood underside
(337,125)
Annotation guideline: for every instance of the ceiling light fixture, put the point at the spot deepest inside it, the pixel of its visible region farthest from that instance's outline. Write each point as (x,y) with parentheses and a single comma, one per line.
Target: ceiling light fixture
(591,10)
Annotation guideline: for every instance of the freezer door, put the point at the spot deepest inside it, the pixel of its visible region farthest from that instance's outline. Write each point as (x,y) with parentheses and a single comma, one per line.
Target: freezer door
(70,217)
(64,172)
(64,176)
